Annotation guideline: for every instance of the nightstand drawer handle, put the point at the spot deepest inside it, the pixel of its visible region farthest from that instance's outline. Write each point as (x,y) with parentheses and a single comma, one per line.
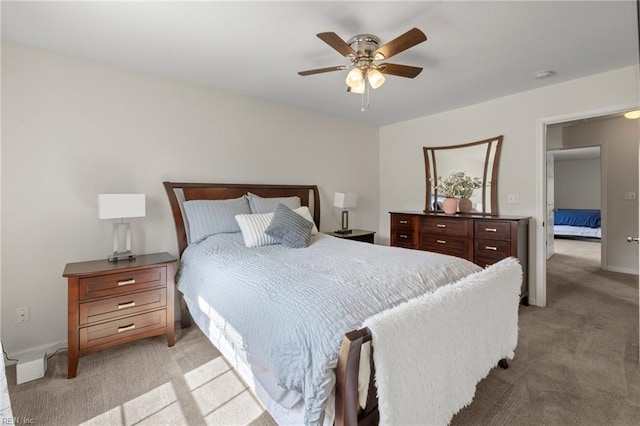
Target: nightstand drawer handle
(403,236)
(491,229)
(127,305)
(491,248)
(440,225)
(126,328)
(441,242)
(404,222)
(127,282)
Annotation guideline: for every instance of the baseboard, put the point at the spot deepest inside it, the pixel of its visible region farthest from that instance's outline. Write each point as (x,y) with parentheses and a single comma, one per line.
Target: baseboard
(621,270)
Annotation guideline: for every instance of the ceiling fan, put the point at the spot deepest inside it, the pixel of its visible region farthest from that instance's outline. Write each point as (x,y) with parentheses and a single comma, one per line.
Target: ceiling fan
(363,51)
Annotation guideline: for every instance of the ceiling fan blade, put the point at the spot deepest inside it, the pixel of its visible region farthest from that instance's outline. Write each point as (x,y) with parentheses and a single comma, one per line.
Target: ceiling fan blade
(337,43)
(401,43)
(321,70)
(399,70)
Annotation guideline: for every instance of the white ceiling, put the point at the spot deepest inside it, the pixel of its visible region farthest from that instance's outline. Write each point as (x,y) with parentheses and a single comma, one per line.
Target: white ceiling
(475,51)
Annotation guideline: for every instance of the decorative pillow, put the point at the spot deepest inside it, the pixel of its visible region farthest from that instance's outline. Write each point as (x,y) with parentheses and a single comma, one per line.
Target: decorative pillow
(261,205)
(208,217)
(289,228)
(304,212)
(253,226)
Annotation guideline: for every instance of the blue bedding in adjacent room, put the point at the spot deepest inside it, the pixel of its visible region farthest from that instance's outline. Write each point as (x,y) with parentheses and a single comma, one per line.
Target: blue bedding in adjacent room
(577,217)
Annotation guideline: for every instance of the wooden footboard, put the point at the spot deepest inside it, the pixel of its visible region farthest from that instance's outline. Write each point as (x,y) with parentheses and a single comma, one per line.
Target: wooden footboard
(348,411)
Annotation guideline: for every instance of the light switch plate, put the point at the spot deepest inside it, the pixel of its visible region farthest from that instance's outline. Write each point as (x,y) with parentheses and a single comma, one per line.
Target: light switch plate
(513,198)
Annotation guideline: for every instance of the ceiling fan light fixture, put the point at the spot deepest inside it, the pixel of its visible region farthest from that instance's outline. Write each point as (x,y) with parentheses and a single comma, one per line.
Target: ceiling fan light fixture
(359,89)
(632,115)
(354,78)
(375,77)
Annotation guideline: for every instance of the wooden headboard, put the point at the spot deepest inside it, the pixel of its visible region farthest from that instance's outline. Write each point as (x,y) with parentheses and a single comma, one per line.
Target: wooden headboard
(179,192)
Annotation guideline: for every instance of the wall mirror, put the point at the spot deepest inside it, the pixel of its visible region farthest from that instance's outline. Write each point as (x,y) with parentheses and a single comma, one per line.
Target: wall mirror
(477,159)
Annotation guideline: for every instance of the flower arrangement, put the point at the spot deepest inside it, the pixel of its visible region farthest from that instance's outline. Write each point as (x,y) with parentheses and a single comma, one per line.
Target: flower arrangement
(458,185)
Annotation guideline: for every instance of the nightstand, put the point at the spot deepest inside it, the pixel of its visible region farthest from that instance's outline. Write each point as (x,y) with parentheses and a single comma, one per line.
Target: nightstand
(111,303)
(356,235)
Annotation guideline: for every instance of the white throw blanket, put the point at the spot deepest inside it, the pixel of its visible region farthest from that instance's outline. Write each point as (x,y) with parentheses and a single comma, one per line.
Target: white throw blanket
(431,352)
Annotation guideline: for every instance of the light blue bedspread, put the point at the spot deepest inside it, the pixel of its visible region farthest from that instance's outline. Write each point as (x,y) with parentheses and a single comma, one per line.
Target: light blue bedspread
(292,306)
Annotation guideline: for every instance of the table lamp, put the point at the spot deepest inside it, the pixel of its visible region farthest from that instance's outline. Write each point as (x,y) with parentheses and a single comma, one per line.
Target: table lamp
(345,200)
(121,206)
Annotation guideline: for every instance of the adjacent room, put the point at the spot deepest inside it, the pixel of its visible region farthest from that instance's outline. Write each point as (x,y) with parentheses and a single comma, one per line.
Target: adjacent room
(212,212)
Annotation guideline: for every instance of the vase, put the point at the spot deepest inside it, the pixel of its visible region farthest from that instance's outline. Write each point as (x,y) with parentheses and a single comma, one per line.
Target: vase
(464,205)
(450,205)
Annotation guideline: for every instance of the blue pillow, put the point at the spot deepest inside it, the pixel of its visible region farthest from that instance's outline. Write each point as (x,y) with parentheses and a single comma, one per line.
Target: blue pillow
(289,228)
(261,205)
(209,217)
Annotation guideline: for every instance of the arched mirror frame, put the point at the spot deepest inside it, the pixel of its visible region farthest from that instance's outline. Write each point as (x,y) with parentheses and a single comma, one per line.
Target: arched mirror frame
(493,145)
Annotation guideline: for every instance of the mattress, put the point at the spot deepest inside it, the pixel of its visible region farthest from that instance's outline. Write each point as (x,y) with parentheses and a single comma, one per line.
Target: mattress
(577,231)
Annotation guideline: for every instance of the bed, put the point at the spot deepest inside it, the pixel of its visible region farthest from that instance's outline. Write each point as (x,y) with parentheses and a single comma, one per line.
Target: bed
(317,357)
(580,223)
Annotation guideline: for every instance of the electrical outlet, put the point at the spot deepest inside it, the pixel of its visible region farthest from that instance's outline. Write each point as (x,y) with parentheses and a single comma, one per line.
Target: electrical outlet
(23,314)
(630,195)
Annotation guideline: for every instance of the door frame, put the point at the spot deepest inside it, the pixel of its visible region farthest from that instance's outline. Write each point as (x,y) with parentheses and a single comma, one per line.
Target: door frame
(541,188)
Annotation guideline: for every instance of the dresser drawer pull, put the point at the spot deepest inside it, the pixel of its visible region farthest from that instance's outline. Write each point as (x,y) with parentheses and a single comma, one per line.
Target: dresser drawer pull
(126,328)
(491,248)
(441,242)
(127,305)
(441,225)
(491,229)
(127,282)
(403,236)
(404,222)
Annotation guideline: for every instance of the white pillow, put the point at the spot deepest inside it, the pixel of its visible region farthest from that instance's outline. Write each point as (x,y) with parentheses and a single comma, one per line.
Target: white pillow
(304,212)
(253,226)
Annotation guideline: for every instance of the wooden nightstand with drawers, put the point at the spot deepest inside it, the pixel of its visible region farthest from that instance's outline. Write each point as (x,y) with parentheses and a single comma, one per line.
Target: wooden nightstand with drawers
(356,235)
(111,303)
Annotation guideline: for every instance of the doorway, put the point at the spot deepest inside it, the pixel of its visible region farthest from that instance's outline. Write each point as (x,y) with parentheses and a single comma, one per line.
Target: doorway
(617,254)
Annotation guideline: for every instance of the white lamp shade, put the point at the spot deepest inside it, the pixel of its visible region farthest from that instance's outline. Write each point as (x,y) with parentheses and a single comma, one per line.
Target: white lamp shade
(345,200)
(359,89)
(376,79)
(117,206)
(354,78)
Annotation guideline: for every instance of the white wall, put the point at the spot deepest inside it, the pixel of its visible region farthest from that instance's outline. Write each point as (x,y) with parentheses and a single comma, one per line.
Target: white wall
(618,139)
(402,176)
(577,184)
(73,128)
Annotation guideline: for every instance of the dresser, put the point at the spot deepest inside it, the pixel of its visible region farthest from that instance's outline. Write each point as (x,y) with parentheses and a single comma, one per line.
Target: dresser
(482,239)
(111,303)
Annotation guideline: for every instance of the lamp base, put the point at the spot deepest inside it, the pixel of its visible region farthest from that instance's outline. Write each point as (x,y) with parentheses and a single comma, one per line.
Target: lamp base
(343,231)
(121,255)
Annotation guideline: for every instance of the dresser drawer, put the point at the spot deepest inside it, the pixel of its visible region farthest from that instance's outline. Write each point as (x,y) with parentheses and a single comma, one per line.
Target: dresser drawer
(493,229)
(402,221)
(122,329)
(403,238)
(446,226)
(444,244)
(112,284)
(492,248)
(128,304)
